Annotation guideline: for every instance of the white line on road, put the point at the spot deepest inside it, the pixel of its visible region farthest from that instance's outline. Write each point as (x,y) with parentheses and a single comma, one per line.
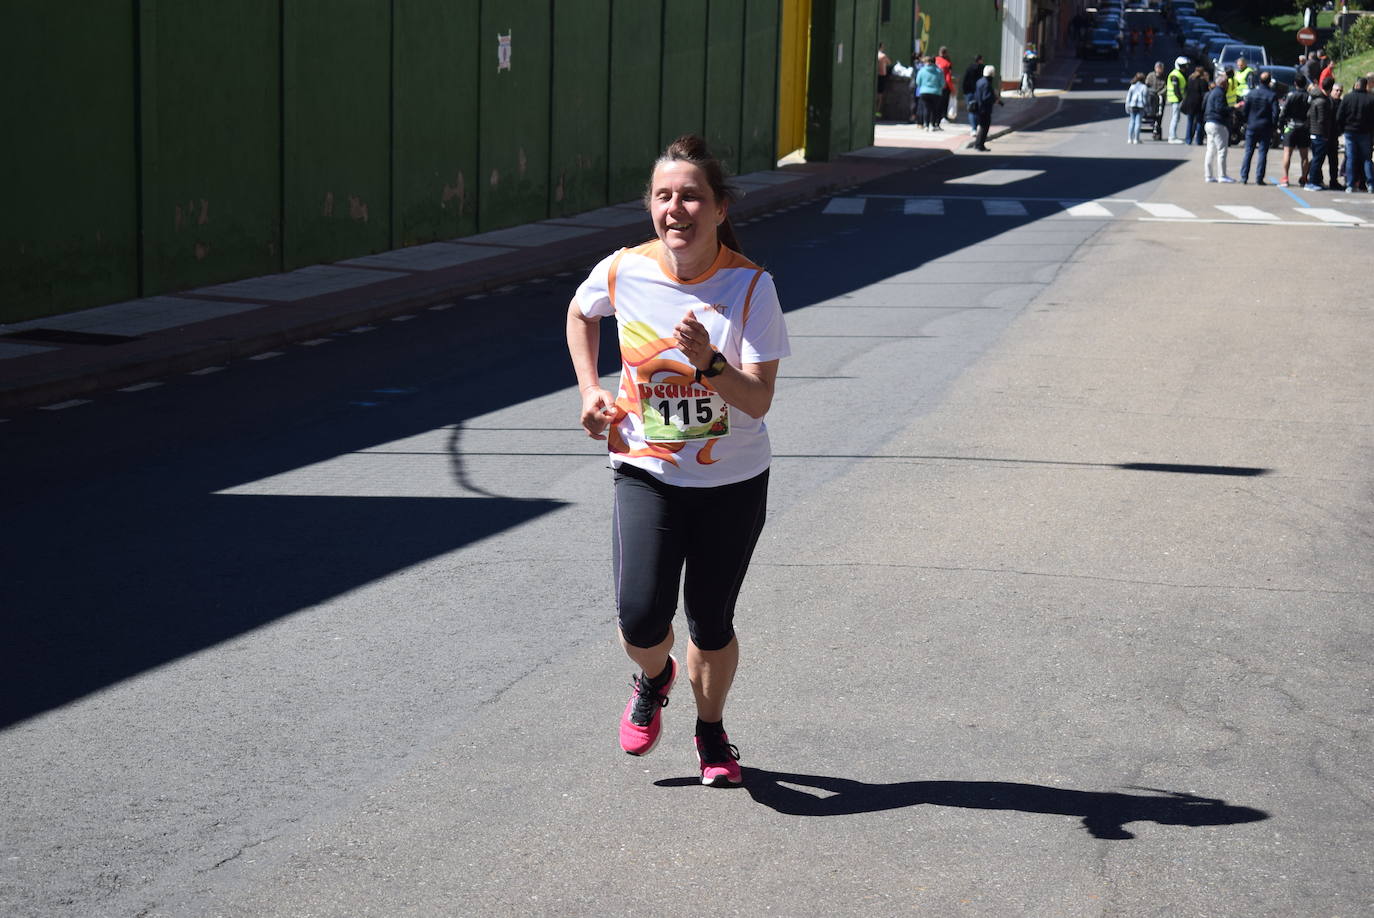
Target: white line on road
(1164,210)
(1242,212)
(403,318)
(1086,209)
(206,371)
(846,206)
(62,406)
(315,342)
(362,329)
(141,387)
(1004,208)
(1327,215)
(930,207)
(266,355)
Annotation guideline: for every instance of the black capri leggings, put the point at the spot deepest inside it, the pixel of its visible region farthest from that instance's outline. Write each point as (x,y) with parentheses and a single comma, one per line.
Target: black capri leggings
(660,528)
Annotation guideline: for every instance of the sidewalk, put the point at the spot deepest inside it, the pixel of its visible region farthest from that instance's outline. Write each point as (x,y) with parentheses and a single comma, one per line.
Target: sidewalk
(54,360)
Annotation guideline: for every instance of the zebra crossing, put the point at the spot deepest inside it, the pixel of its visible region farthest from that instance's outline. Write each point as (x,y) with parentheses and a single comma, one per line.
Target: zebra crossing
(969,206)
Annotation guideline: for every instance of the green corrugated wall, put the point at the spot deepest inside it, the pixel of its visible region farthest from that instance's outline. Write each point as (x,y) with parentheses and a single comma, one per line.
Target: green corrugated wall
(69,228)
(162,145)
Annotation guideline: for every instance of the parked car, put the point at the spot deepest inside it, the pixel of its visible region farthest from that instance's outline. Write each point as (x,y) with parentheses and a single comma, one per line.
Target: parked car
(1281,78)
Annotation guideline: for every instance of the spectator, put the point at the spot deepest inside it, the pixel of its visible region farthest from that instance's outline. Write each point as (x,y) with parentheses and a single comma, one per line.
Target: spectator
(1293,128)
(1176,86)
(884,65)
(1261,109)
(1137,97)
(1328,68)
(1156,82)
(1216,116)
(1355,119)
(947,68)
(1198,86)
(929,83)
(1321,125)
(970,86)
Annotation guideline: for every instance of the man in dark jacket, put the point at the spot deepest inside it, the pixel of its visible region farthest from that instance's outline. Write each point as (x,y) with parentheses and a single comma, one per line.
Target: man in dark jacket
(1355,119)
(1261,109)
(984,97)
(972,75)
(1321,124)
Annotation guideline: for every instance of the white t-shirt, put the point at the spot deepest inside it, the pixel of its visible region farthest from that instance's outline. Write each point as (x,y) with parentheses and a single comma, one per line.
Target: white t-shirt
(679,430)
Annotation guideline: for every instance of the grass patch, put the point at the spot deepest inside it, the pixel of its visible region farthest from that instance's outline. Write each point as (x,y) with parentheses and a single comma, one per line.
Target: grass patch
(1352,67)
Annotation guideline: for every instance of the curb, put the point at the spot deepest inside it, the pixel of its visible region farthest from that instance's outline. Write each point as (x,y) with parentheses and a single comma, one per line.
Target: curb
(73,372)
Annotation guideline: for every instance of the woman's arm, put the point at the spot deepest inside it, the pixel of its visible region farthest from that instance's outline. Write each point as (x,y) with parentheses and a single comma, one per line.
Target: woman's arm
(584,345)
(749,387)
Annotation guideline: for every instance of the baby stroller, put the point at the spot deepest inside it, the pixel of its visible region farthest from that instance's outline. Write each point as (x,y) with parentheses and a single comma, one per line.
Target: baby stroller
(1153,116)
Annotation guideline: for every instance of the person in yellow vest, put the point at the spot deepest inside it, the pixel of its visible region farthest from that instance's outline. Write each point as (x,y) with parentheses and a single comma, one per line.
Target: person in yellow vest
(1232,87)
(1246,77)
(1175,87)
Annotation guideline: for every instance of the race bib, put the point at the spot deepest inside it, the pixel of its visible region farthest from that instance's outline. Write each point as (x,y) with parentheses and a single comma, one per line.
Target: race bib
(674,413)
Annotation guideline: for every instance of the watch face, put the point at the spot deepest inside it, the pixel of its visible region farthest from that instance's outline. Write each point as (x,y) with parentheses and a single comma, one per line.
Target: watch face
(717,364)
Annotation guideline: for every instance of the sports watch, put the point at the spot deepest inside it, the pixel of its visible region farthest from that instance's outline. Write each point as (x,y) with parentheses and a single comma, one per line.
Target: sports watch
(714,368)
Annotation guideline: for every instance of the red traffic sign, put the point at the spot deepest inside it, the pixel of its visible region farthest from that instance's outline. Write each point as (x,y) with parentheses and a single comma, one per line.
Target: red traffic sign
(1307,36)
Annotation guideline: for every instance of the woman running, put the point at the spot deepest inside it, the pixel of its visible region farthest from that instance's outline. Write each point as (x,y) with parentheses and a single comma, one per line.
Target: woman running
(701,333)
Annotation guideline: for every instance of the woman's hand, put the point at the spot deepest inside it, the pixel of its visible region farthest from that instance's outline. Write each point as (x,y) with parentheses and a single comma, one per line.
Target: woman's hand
(598,410)
(693,340)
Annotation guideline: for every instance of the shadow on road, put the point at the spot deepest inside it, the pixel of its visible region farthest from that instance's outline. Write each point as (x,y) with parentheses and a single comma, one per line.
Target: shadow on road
(1104,814)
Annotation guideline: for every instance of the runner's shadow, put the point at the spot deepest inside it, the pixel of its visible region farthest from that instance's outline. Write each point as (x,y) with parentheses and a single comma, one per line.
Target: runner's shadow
(1104,814)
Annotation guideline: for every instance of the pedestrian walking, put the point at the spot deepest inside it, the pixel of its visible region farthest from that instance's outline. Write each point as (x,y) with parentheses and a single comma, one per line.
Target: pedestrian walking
(985,97)
(942,60)
(1355,120)
(1216,116)
(1137,97)
(1261,109)
(1321,125)
(701,334)
(969,86)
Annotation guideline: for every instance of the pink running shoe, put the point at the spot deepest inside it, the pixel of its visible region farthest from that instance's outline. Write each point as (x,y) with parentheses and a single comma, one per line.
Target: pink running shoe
(719,761)
(642,721)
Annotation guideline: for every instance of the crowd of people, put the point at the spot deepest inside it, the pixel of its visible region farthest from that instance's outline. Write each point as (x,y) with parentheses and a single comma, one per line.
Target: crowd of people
(1316,117)
(933,87)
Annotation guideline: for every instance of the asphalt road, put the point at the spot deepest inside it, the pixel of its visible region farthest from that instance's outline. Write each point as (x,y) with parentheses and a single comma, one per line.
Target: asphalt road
(1063,607)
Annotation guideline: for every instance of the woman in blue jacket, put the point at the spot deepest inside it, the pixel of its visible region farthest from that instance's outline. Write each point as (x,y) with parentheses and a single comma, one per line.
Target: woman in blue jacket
(930,84)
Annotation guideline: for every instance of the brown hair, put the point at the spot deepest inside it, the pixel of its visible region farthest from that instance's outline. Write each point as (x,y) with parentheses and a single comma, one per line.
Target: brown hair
(692,149)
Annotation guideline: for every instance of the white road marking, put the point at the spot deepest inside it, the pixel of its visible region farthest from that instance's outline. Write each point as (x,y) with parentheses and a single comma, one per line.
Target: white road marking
(1327,215)
(266,355)
(929,207)
(1242,212)
(846,206)
(143,386)
(996,177)
(206,371)
(362,329)
(1164,210)
(314,342)
(403,318)
(1086,209)
(1004,208)
(442,306)
(1099,79)
(62,406)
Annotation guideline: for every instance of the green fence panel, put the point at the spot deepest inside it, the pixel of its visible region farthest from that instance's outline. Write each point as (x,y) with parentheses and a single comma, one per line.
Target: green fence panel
(636,95)
(864,79)
(967,29)
(69,234)
(515,67)
(337,149)
(211,141)
(434,142)
(898,31)
(684,70)
(725,80)
(759,102)
(580,131)
(842,78)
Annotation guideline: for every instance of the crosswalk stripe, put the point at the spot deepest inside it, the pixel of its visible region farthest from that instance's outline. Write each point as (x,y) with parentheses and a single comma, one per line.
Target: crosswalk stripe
(1164,210)
(1086,209)
(1005,208)
(1242,212)
(929,207)
(1327,215)
(845,206)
